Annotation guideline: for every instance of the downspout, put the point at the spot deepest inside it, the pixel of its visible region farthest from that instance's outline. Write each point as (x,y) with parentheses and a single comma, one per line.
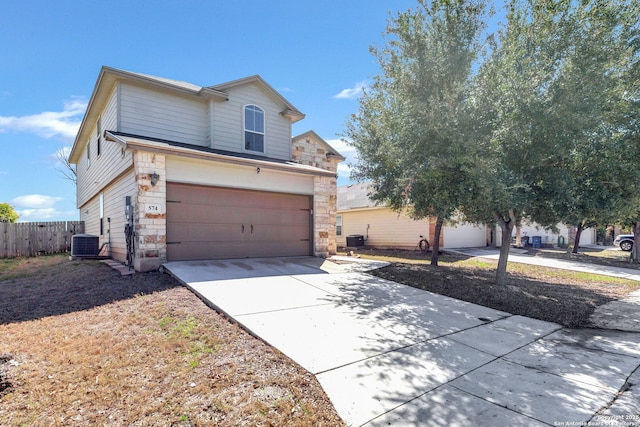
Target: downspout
(109,231)
(115,138)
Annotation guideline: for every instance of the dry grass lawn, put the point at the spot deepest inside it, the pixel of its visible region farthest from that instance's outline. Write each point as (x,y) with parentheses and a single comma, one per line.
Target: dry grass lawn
(82,345)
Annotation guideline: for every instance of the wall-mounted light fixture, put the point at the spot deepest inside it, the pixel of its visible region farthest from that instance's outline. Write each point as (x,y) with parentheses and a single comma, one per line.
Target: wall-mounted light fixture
(257,170)
(154,179)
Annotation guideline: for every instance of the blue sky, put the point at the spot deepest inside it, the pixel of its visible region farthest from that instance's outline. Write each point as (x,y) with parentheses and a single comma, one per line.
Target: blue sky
(316,53)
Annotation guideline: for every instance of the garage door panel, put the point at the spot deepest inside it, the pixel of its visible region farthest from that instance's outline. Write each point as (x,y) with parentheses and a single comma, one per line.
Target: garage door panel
(207,223)
(176,230)
(290,249)
(206,250)
(282,217)
(198,214)
(281,233)
(214,233)
(177,212)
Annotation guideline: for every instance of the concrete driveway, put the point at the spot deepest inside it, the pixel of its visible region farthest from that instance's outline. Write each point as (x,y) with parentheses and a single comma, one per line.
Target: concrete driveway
(389,354)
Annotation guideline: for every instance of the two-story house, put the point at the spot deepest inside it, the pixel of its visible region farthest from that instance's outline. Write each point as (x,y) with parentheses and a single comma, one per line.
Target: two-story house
(168,170)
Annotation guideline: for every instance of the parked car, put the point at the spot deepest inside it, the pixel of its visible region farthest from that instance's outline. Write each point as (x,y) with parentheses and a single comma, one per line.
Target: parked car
(625,241)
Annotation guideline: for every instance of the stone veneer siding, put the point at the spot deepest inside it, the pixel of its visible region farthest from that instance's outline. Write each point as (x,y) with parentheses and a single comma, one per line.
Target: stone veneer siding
(150,226)
(307,151)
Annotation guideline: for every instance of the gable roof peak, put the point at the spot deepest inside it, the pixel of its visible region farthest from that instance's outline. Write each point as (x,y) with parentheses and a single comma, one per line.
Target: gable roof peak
(328,147)
(289,111)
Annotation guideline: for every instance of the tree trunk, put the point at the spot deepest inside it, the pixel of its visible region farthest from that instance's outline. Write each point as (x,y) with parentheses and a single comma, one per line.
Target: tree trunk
(635,251)
(506,225)
(576,241)
(435,249)
(501,271)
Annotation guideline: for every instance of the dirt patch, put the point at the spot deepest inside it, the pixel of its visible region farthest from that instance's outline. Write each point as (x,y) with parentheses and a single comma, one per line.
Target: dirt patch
(83,345)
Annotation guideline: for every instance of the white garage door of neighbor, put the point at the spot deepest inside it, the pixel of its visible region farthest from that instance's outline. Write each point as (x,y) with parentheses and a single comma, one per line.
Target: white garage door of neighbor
(216,223)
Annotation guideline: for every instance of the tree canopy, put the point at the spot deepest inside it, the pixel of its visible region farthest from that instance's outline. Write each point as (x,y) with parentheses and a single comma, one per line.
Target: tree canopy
(410,129)
(542,125)
(7,213)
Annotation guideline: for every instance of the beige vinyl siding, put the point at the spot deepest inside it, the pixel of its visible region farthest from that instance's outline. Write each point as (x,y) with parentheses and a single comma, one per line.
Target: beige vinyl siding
(388,229)
(385,228)
(227,122)
(203,172)
(548,237)
(109,164)
(114,208)
(465,235)
(163,116)
(90,214)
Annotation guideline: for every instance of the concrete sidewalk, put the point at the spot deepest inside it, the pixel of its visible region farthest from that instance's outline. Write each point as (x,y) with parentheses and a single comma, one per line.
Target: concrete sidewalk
(520,256)
(389,354)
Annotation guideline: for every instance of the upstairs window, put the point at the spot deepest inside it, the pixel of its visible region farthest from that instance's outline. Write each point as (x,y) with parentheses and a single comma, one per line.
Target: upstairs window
(254,128)
(88,153)
(98,132)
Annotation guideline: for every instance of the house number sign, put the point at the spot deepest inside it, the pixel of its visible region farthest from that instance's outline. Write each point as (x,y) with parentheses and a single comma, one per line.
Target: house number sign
(153,208)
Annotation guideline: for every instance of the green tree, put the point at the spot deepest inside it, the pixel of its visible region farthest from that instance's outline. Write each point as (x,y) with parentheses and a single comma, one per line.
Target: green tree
(624,116)
(521,174)
(411,128)
(556,107)
(7,213)
(594,109)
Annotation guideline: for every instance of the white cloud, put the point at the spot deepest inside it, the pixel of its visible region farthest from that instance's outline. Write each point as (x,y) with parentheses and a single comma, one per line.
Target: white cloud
(32,215)
(35,201)
(64,151)
(61,153)
(350,154)
(353,92)
(344,169)
(48,214)
(37,207)
(48,124)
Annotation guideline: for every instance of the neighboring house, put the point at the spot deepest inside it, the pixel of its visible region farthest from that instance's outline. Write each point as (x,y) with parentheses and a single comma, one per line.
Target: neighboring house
(564,237)
(207,172)
(385,228)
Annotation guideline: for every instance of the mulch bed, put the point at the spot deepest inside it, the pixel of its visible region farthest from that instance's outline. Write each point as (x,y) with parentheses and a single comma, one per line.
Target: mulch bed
(568,302)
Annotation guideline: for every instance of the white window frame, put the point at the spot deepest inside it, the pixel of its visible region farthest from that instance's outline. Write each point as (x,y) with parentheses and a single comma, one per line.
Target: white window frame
(89,153)
(245,130)
(339,225)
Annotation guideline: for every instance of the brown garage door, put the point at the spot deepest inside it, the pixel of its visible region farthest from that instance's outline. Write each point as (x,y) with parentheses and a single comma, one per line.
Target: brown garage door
(214,223)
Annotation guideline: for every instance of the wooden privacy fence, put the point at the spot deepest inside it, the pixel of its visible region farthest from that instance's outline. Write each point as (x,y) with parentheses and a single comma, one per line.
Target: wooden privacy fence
(37,238)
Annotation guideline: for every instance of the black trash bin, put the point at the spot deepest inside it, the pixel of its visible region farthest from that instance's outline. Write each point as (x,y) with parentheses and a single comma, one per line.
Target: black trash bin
(524,240)
(355,240)
(536,241)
